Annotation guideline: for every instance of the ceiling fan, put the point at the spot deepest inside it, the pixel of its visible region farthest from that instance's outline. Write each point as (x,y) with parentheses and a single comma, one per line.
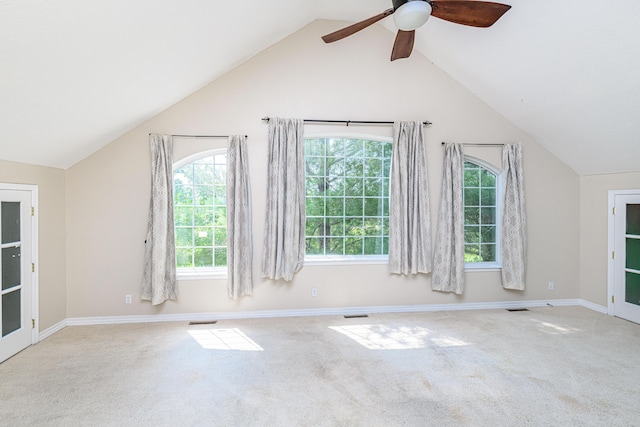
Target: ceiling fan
(411,14)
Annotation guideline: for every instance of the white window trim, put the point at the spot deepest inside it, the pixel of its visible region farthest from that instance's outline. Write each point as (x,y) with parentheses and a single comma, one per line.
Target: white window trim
(347,259)
(200,273)
(497,265)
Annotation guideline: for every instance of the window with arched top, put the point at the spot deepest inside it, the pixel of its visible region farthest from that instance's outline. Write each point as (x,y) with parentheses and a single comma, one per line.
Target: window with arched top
(200,213)
(481,195)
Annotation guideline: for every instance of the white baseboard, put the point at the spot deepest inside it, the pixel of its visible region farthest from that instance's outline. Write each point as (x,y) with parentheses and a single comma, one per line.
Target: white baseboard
(186,317)
(341,311)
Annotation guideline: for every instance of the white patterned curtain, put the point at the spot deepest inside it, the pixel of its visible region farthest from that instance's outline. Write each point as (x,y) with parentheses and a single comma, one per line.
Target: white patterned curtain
(409,217)
(283,249)
(448,261)
(514,233)
(239,243)
(159,275)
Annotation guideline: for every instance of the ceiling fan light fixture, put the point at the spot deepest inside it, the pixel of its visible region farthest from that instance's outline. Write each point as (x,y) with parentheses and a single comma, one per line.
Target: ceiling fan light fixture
(412,14)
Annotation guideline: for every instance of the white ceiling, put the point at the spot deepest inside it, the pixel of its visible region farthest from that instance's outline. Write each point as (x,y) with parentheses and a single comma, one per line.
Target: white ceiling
(76,74)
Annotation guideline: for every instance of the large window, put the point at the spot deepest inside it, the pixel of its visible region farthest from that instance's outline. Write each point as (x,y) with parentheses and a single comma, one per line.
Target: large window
(481,215)
(347,200)
(200,213)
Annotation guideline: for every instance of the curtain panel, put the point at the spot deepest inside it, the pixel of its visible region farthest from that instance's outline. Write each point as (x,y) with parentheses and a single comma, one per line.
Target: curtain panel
(159,274)
(514,233)
(239,240)
(409,216)
(448,262)
(284,244)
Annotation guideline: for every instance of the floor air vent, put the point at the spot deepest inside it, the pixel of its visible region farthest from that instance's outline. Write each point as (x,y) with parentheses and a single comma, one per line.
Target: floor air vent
(517,309)
(354,316)
(203,322)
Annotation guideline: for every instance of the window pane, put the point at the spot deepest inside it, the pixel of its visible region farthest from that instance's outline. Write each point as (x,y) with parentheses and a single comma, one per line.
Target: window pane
(220,192)
(315,206)
(373,167)
(353,227)
(315,166)
(335,246)
(183,215)
(203,257)
(184,236)
(471,177)
(335,147)
(472,253)
(334,227)
(472,234)
(373,206)
(335,166)
(335,206)
(354,187)
(183,195)
(488,253)
(488,215)
(203,237)
(184,257)
(315,186)
(203,195)
(353,167)
(488,234)
(10,222)
(353,148)
(471,197)
(315,246)
(353,206)
(472,216)
(314,147)
(335,186)
(220,257)
(220,216)
(353,246)
(373,187)
(203,174)
(202,216)
(487,178)
(315,226)
(488,196)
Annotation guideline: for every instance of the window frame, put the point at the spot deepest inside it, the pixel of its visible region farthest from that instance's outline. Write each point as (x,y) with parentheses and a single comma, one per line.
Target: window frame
(497,264)
(348,259)
(198,273)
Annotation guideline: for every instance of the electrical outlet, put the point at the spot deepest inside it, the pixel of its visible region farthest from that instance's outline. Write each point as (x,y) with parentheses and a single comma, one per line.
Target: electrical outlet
(551,286)
(127,299)
(314,292)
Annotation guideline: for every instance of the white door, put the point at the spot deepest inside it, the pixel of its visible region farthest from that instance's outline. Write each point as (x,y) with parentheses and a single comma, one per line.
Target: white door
(626,258)
(16,272)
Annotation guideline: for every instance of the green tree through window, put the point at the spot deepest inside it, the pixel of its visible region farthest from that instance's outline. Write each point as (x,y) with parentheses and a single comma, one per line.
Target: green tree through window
(200,211)
(347,200)
(480,214)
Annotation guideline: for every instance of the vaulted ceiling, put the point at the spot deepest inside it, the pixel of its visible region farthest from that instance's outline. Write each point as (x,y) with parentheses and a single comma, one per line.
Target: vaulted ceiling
(76,74)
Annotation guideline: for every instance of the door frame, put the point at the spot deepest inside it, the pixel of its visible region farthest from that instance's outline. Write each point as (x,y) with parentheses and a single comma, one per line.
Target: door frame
(33,189)
(611,245)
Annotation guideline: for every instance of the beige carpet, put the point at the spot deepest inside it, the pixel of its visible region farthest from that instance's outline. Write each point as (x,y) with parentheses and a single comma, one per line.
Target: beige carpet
(552,366)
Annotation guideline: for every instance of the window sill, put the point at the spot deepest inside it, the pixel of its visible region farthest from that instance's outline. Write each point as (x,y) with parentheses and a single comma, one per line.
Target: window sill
(482,266)
(346,260)
(201,274)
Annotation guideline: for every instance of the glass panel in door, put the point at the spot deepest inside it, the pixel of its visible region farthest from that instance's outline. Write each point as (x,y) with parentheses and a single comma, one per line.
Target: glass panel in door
(11,288)
(632,261)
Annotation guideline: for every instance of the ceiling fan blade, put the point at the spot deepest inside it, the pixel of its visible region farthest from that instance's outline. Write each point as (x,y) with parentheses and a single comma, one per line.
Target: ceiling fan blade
(352,29)
(469,12)
(403,45)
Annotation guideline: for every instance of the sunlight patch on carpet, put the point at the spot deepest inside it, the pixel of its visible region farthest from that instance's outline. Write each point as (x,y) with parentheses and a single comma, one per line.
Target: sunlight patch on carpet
(224,339)
(382,337)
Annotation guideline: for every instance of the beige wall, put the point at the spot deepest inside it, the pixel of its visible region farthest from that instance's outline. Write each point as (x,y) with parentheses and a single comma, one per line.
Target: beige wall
(594,232)
(52,236)
(303,77)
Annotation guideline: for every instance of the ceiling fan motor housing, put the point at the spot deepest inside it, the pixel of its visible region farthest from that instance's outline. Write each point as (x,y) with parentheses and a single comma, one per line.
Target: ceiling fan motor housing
(398,3)
(410,14)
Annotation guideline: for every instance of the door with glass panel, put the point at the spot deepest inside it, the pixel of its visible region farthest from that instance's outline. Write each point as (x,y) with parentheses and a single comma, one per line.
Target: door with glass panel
(15,264)
(626,292)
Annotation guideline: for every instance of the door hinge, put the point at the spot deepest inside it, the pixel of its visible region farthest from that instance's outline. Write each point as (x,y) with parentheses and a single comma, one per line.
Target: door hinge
(33,211)
(613,255)
(613,211)
(613,299)
(33,268)
(33,323)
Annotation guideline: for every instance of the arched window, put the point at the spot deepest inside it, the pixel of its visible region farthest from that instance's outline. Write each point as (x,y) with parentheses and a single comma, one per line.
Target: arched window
(347,199)
(481,190)
(200,212)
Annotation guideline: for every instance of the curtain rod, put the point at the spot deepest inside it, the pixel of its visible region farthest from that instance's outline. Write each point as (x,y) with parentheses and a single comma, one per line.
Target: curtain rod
(348,122)
(479,145)
(202,136)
